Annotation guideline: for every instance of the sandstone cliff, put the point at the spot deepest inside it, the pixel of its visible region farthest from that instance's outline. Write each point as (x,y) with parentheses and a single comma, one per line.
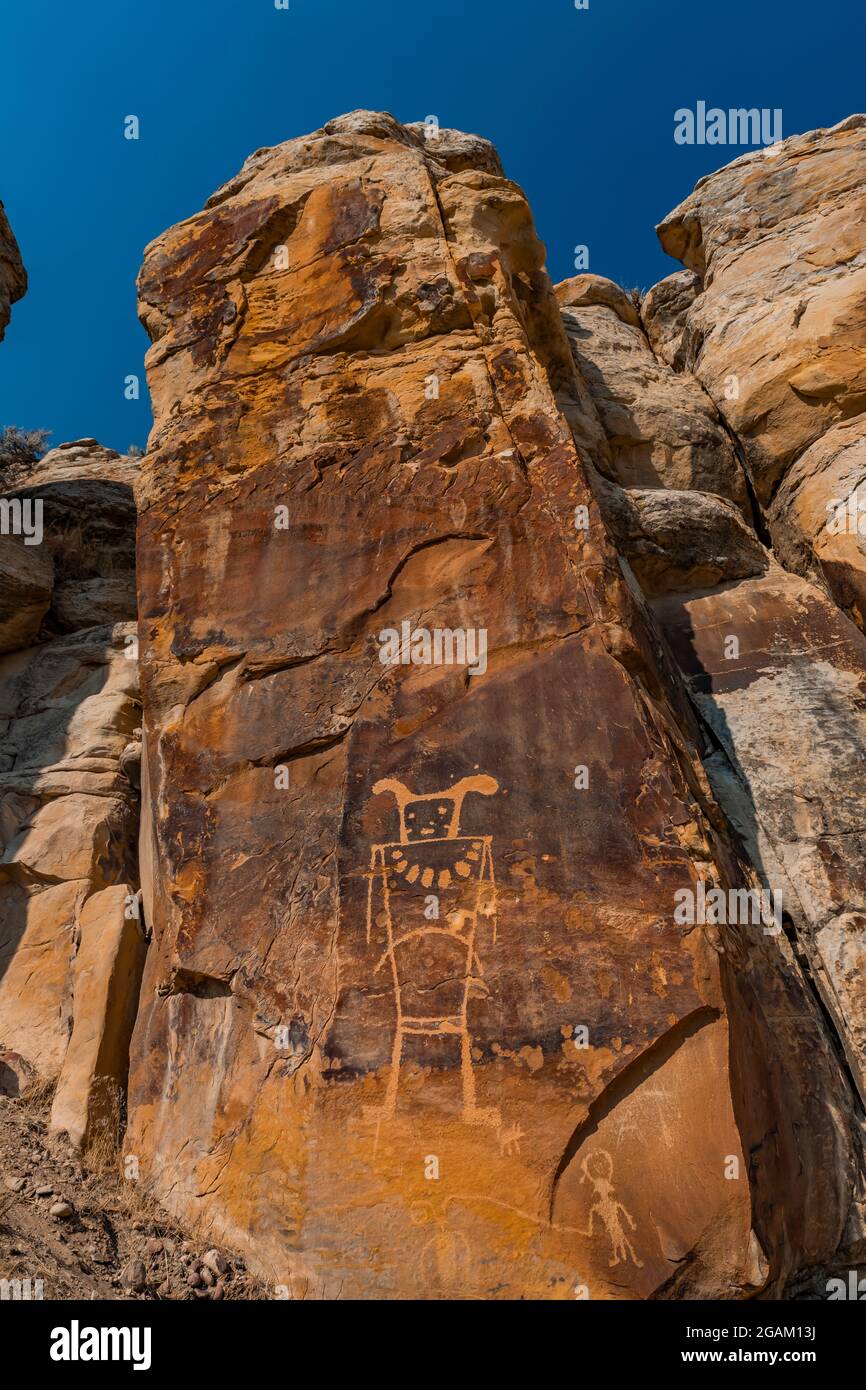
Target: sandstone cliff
(418,1017)
(481,626)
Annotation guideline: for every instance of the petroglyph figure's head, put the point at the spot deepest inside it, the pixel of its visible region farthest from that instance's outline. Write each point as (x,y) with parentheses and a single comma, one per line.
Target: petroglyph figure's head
(436,815)
(598,1168)
(428,819)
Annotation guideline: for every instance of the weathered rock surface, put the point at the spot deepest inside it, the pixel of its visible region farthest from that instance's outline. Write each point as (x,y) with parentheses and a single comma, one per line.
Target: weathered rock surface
(786,702)
(70,960)
(776,331)
(680,539)
(418,1019)
(26,584)
(68,709)
(664,316)
(818,516)
(13,279)
(771,317)
(86,496)
(68,820)
(86,460)
(662,428)
(108,965)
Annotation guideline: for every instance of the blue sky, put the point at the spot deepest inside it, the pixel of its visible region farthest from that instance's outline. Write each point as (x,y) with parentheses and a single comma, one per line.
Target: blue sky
(579,103)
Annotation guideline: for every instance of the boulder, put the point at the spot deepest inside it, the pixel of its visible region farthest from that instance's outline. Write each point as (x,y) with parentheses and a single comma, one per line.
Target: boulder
(84,460)
(664,315)
(676,539)
(16,1075)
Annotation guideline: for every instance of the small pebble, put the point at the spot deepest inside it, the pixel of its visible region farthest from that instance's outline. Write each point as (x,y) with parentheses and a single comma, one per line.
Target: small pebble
(215,1261)
(61,1209)
(135,1275)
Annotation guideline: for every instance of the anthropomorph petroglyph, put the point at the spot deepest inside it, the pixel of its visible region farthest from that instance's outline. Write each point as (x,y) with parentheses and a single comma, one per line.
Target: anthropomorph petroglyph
(597,1167)
(445,1260)
(434,960)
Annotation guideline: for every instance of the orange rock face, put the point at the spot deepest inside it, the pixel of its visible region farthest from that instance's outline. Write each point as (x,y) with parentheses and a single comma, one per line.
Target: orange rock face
(420,795)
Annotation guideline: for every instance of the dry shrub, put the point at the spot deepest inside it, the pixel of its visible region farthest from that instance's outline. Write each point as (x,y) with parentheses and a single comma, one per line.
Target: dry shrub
(39,1094)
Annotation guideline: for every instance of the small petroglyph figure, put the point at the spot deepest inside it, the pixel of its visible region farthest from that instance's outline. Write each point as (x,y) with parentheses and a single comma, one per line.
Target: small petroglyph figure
(509,1139)
(434,962)
(597,1167)
(445,1260)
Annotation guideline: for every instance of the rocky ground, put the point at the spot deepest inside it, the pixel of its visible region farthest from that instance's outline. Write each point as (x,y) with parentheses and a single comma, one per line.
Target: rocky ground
(89,1232)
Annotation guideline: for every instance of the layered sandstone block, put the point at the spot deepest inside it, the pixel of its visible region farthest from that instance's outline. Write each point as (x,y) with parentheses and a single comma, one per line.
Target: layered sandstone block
(664,469)
(68,820)
(108,965)
(69,713)
(662,429)
(418,1019)
(773,323)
